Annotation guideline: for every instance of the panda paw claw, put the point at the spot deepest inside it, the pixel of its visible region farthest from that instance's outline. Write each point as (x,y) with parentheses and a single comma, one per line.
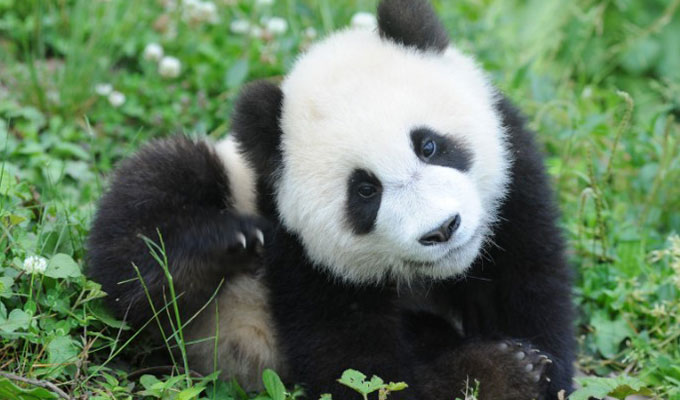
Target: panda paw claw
(241,239)
(260,236)
(247,235)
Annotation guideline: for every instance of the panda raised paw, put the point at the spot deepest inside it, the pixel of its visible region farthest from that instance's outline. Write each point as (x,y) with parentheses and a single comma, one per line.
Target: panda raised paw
(245,234)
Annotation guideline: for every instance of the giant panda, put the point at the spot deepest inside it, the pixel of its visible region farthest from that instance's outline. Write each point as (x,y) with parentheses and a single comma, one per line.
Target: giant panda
(383,209)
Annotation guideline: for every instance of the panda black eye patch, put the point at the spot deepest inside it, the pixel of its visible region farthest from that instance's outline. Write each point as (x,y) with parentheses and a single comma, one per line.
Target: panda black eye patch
(435,149)
(364,193)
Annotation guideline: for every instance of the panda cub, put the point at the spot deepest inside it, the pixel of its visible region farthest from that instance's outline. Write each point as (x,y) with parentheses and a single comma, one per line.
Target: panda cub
(384,209)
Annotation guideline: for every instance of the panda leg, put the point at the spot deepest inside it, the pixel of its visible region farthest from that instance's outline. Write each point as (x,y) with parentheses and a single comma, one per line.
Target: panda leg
(237,329)
(504,370)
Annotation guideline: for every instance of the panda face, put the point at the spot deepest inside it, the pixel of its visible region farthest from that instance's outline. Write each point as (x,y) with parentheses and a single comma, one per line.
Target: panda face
(393,160)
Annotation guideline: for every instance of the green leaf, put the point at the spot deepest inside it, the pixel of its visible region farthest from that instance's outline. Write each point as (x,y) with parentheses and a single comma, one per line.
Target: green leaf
(326,396)
(17,319)
(641,55)
(6,283)
(7,183)
(103,314)
(357,381)
(61,350)
(8,390)
(237,74)
(273,385)
(62,266)
(236,391)
(395,387)
(609,333)
(66,149)
(148,381)
(619,387)
(190,393)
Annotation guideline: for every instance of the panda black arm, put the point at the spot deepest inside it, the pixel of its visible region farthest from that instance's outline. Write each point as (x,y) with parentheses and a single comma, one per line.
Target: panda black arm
(521,288)
(180,189)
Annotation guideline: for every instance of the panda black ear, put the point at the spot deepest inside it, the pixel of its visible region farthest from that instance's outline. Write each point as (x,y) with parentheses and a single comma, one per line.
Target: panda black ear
(255,123)
(412,23)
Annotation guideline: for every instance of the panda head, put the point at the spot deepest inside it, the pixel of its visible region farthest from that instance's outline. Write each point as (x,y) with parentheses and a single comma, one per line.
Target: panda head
(383,150)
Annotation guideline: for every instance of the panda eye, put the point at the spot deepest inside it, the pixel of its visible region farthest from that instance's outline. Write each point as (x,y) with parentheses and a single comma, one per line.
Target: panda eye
(428,148)
(367,190)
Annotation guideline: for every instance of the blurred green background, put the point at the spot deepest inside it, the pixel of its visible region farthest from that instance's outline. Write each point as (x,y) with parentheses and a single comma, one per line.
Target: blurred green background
(80,88)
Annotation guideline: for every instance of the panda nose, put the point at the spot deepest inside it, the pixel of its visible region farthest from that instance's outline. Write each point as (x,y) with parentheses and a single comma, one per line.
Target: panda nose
(443,233)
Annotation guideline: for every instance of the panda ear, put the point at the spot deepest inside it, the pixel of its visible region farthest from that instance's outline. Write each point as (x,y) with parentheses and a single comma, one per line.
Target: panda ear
(412,23)
(255,123)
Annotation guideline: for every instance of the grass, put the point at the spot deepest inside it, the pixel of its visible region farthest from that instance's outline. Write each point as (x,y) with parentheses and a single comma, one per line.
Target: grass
(599,80)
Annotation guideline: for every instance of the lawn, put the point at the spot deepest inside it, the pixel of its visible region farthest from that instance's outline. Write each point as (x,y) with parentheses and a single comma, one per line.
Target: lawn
(82,86)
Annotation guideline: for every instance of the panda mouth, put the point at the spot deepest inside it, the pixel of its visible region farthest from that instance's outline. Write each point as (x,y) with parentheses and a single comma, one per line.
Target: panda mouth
(425,264)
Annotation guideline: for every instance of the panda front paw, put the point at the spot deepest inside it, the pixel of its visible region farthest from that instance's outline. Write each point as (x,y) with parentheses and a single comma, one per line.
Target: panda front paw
(245,235)
(526,367)
(506,369)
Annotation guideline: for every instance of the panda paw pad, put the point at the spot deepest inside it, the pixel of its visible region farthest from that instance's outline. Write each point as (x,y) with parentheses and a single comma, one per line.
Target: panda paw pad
(530,363)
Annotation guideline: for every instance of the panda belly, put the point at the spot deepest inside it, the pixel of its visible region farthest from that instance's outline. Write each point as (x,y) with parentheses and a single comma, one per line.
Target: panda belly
(235,334)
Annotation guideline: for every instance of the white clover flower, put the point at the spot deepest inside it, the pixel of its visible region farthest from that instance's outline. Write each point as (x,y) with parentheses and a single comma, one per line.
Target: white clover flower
(262,3)
(310,32)
(197,11)
(153,52)
(116,98)
(364,20)
(659,310)
(53,96)
(103,89)
(240,26)
(169,5)
(277,26)
(207,11)
(169,67)
(587,92)
(35,265)
(256,31)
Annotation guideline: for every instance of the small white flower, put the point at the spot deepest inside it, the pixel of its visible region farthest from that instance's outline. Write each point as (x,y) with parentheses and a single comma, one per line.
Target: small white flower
(659,310)
(103,89)
(53,96)
(153,52)
(169,5)
(197,11)
(262,3)
(169,67)
(35,265)
(256,31)
(310,33)
(587,92)
(116,98)
(207,11)
(364,20)
(277,26)
(239,26)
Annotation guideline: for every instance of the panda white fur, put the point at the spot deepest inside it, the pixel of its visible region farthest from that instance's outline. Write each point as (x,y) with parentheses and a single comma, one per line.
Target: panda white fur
(384,209)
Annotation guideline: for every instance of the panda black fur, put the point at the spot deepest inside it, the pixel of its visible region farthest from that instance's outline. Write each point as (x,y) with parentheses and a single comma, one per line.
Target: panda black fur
(346,173)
